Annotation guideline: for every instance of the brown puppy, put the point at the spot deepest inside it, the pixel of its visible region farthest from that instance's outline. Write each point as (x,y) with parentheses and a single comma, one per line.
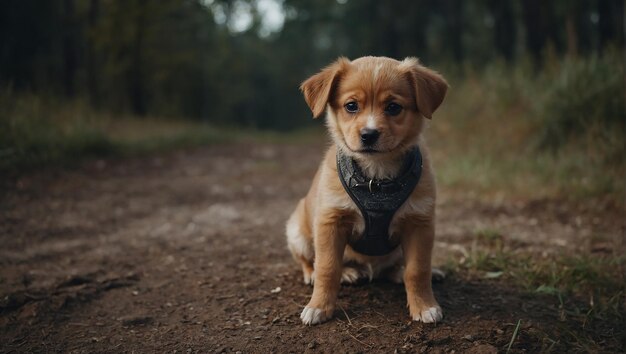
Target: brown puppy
(375,109)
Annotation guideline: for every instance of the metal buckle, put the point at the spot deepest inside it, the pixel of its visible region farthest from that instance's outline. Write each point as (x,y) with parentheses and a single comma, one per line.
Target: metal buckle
(369,185)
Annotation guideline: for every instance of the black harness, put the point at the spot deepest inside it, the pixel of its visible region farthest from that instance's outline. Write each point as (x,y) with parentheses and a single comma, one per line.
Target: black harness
(378,200)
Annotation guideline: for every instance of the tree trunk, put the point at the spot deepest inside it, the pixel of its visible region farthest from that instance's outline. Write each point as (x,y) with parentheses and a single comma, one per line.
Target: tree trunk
(572,38)
(92,61)
(69,48)
(534,35)
(455,28)
(504,30)
(611,22)
(137,84)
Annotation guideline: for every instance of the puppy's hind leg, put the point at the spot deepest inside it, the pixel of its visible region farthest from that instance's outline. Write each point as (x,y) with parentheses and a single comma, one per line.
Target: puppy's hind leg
(300,245)
(354,273)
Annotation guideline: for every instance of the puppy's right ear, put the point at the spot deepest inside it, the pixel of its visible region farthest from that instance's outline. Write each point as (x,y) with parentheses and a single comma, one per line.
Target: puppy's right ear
(318,88)
(429,87)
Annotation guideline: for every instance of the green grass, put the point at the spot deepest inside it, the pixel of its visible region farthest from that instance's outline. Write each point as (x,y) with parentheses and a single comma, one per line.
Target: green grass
(601,278)
(529,175)
(589,290)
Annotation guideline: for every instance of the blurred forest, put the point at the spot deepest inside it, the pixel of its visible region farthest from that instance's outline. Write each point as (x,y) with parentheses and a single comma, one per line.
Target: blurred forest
(539,79)
(240,62)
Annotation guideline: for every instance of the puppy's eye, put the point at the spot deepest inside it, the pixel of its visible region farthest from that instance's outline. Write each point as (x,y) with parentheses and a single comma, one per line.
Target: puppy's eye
(352,107)
(393,109)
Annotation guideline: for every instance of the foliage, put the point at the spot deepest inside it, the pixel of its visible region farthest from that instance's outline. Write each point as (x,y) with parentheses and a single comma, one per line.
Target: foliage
(34,131)
(586,97)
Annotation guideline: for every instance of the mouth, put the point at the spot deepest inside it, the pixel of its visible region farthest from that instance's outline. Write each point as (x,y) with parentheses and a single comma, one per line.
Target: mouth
(366,150)
(369,151)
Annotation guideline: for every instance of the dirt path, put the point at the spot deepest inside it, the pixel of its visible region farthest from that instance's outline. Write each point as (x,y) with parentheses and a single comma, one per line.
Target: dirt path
(185,252)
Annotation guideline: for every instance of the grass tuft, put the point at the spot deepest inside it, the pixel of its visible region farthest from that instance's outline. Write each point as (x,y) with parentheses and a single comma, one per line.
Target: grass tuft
(508,348)
(590,291)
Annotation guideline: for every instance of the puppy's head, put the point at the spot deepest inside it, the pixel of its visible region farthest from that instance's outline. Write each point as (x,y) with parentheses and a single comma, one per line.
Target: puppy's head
(375,105)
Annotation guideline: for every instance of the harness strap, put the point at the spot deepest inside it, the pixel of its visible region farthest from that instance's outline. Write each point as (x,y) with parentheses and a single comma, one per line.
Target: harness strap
(378,200)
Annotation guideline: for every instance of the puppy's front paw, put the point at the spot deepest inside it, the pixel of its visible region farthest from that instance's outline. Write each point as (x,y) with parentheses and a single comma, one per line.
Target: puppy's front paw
(312,316)
(428,315)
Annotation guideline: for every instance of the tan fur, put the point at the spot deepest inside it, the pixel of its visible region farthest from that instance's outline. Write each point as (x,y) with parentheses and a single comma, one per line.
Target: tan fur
(326,219)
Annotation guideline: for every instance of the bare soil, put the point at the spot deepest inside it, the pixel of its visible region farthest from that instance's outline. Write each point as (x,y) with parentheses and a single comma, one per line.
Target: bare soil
(185,252)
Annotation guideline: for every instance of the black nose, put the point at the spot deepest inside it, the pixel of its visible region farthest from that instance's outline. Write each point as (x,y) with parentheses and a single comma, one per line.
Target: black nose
(369,136)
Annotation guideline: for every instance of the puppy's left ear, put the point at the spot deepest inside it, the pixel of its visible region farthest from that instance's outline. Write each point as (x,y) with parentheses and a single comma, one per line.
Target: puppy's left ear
(318,88)
(429,87)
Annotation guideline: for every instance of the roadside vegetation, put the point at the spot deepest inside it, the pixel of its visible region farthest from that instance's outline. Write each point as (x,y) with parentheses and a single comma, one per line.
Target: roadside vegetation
(37,132)
(585,294)
(503,131)
(517,131)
